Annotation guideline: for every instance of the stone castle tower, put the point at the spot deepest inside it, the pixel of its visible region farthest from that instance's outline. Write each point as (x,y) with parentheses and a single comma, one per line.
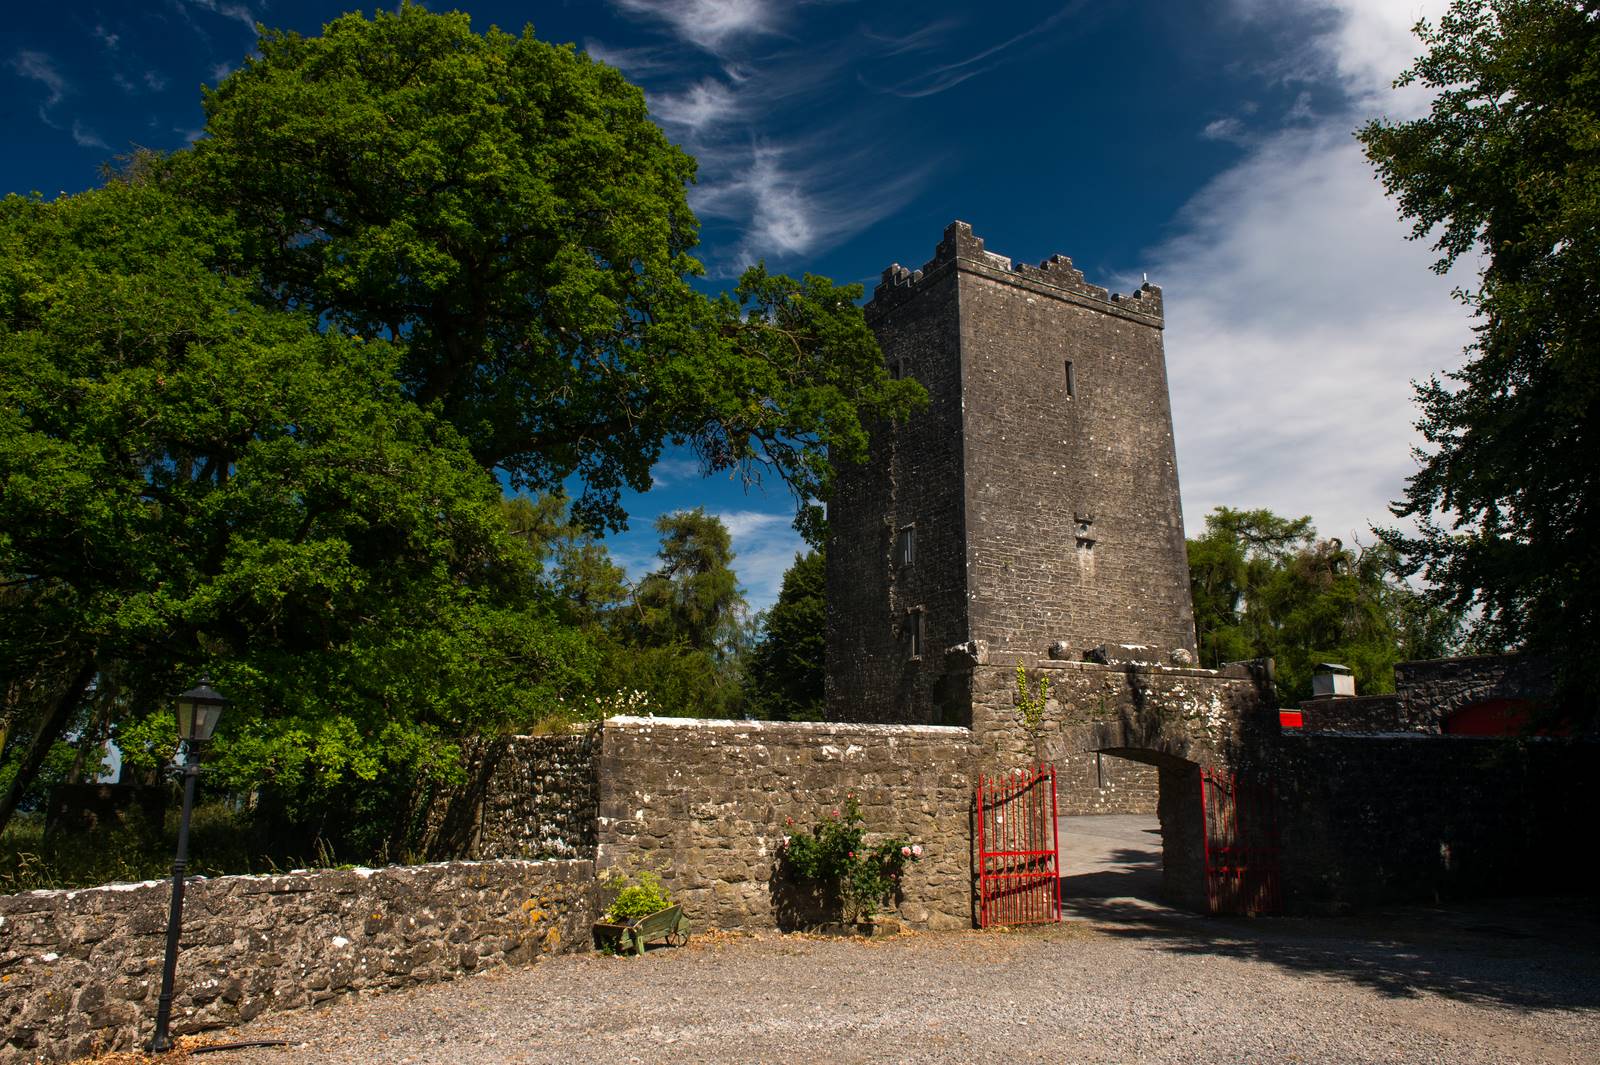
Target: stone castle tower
(1034,503)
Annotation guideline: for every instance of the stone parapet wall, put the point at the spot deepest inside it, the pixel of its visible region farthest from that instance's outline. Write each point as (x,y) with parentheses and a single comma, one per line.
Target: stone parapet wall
(1362,713)
(525,797)
(704,803)
(80,971)
(1430,691)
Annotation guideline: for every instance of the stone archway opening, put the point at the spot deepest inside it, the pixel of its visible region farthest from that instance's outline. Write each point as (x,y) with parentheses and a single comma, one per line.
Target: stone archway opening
(1143,854)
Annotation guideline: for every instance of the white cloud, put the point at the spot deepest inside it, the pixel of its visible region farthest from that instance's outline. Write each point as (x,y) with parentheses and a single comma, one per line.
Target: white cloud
(1224,129)
(764,546)
(671,471)
(704,105)
(39,67)
(238,12)
(86,137)
(711,24)
(1298,313)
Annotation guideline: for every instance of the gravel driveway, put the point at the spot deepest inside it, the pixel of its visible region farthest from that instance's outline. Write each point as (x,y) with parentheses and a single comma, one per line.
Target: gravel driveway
(1517,982)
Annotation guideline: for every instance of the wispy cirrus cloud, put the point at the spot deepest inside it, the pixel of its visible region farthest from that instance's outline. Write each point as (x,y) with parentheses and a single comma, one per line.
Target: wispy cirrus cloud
(86,137)
(240,13)
(736,103)
(39,67)
(711,24)
(945,76)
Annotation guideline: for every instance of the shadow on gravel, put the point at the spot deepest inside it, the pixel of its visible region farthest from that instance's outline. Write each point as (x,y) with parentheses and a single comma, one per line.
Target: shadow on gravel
(1524,953)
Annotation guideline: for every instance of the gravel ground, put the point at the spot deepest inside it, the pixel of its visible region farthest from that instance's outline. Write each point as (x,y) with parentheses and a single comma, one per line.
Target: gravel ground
(1512,982)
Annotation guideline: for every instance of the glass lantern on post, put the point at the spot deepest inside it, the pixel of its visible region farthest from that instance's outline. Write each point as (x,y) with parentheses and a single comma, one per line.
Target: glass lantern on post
(198,710)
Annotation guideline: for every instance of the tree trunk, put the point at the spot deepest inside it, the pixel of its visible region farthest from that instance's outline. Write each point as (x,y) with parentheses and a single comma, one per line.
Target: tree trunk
(60,716)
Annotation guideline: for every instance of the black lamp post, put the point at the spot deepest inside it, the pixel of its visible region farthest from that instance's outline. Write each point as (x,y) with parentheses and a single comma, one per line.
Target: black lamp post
(198,711)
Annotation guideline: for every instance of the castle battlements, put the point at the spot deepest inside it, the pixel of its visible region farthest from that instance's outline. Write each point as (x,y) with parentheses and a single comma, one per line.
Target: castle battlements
(961,246)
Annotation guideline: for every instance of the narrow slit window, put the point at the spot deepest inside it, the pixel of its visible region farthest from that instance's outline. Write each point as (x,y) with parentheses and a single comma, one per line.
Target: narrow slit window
(1072,381)
(898,368)
(916,637)
(905,551)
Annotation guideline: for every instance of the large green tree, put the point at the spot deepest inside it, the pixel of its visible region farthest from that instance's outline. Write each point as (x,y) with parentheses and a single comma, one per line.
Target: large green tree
(506,210)
(191,482)
(1506,164)
(1266,587)
(784,671)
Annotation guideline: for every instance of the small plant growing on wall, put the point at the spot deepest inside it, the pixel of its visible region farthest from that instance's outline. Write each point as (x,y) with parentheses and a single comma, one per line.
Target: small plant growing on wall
(1031,707)
(851,874)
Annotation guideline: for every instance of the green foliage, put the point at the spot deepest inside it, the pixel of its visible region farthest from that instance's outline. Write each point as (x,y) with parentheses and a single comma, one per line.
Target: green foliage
(856,876)
(784,670)
(1507,164)
(683,637)
(1031,707)
(641,897)
(506,209)
(193,483)
(255,397)
(1265,586)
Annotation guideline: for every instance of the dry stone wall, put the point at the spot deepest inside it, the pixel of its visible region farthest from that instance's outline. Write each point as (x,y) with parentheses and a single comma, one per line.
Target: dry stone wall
(704,804)
(525,797)
(80,971)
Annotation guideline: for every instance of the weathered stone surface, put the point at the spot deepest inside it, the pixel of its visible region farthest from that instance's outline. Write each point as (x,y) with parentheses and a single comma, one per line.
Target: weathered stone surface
(703,803)
(526,797)
(80,970)
(1037,508)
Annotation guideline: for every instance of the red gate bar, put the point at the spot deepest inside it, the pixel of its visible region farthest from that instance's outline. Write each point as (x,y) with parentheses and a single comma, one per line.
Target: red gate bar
(1019,880)
(1241,844)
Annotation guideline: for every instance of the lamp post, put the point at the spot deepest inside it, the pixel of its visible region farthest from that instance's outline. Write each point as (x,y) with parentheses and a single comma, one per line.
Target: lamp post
(198,711)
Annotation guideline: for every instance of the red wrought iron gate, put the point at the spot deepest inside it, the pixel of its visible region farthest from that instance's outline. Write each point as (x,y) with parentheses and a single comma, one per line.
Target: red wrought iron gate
(1241,844)
(1019,864)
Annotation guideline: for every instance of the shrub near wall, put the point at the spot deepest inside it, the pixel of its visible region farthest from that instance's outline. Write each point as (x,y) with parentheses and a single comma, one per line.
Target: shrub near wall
(80,971)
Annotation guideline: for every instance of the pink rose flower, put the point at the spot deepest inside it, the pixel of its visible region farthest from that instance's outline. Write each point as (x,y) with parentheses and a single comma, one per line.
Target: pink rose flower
(905,852)
(916,850)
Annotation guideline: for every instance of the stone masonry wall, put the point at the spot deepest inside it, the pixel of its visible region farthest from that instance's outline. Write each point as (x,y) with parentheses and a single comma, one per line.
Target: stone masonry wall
(1074,529)
(1151,713)
(911,478)
(1430,691)
(704,803)
(1370,820)
(80,971)
(526,797)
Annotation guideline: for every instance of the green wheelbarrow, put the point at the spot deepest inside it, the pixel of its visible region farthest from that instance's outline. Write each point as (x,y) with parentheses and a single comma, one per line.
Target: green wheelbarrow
(668,925)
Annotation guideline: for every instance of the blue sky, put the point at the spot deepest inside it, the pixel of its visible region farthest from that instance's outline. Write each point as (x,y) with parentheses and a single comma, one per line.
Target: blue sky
(1205,143)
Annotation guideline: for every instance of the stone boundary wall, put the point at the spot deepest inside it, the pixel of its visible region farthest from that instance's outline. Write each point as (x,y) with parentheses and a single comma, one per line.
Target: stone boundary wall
(703,804)
(1431,690)
(1375,820)
(1360,713)
(526,797)
(80,971)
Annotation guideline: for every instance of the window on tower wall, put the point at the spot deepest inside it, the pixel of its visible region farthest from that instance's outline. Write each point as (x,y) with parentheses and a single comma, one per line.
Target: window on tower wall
(1072,381)
(916,633)
(905,548)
